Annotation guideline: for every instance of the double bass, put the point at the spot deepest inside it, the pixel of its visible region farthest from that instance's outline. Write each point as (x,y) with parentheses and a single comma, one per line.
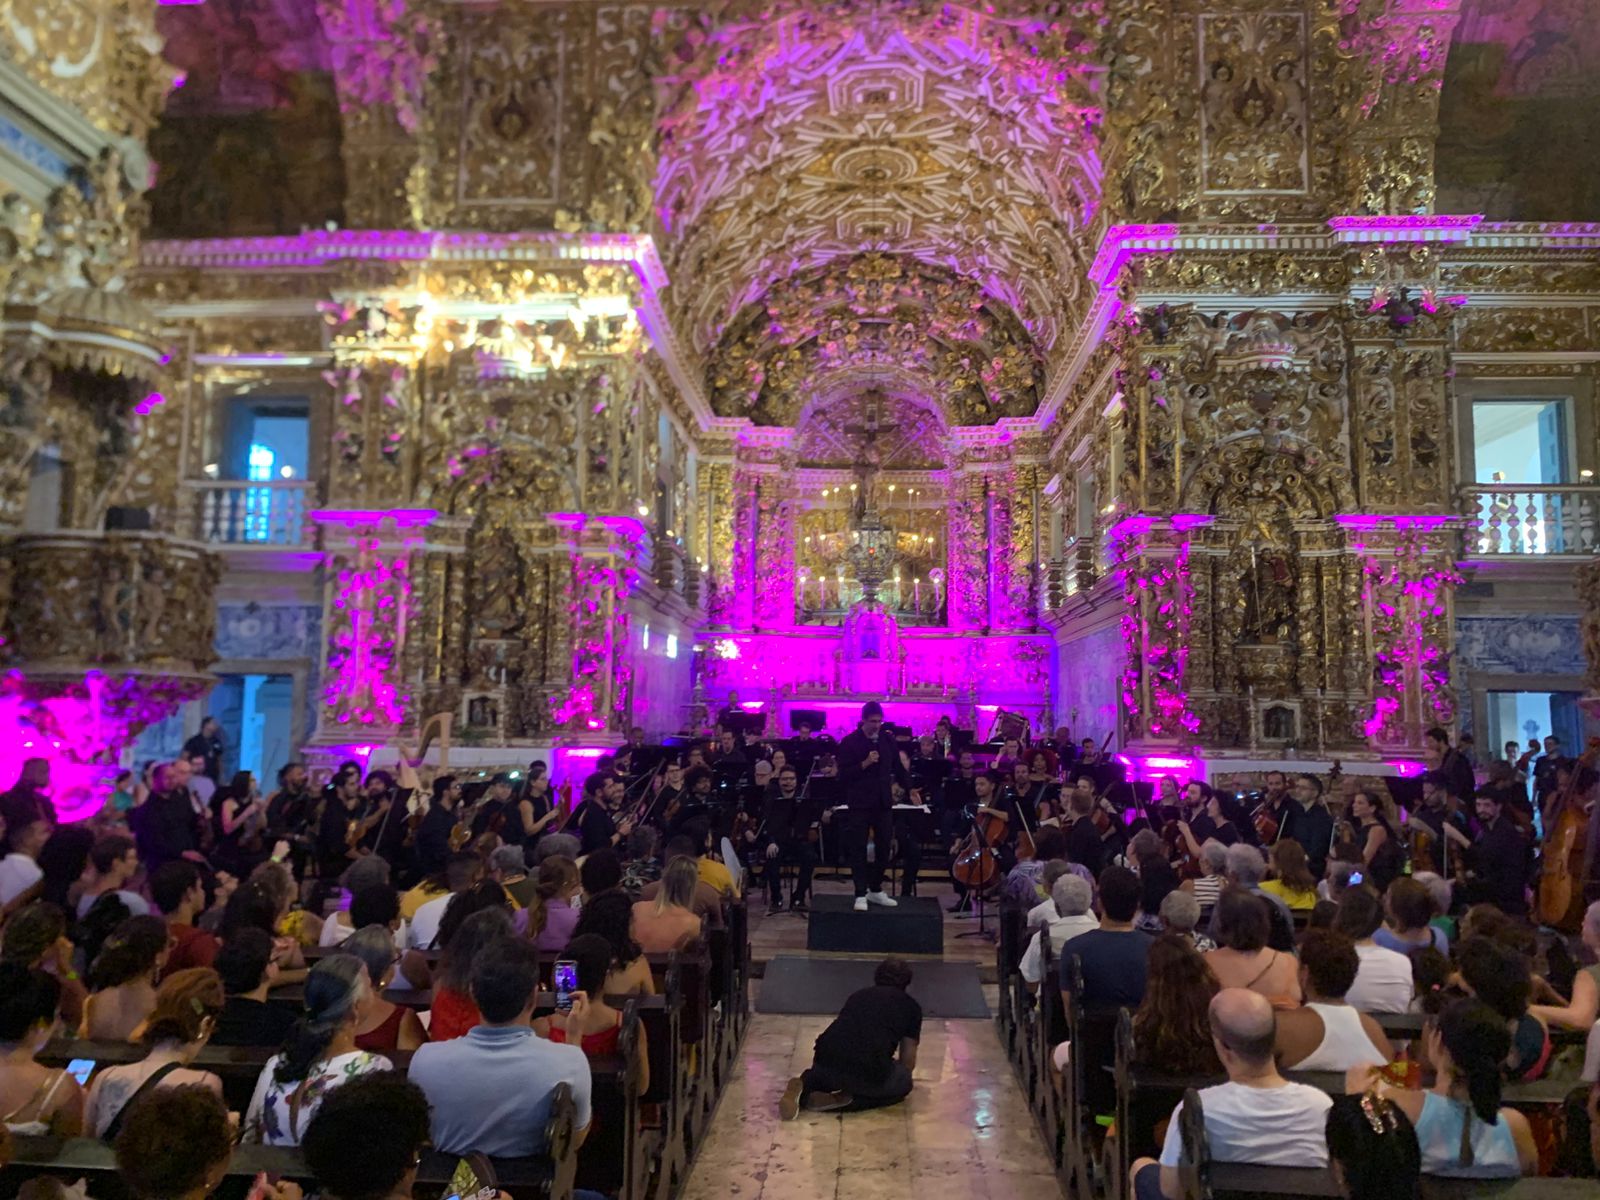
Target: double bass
(1566,831)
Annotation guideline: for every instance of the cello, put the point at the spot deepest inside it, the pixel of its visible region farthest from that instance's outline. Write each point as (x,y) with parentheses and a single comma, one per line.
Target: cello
(1567,827)
(976,863)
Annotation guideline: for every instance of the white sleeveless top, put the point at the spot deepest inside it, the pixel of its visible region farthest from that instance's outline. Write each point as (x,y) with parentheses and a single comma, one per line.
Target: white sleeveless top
(1345,1043)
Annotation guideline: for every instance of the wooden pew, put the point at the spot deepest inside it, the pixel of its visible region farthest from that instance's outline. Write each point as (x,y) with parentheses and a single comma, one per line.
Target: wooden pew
(1008,948)
(546,1178)
(1207,1180)
(1408,1027)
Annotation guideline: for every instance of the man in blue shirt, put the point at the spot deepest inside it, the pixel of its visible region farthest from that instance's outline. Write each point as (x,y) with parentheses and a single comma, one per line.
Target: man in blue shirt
(491,1090)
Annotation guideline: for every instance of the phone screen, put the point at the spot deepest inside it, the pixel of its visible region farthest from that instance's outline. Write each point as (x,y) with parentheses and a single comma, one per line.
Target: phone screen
(80,1069)
(566,983)
(1355,877)
(464,1182)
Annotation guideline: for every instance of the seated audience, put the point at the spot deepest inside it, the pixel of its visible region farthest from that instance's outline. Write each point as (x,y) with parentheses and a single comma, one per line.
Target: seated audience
(509,869)
(1242,959)
(1213,875)
(21,877)
(1180,914)
(367,1139)
(1579,1012)
(463,872)
(319,1054)
(34,1099)
(1112,956)
(1501,979)
(711,870)
(180,897)
(1157,881)
(1042,913)
(453,1010)
(642,864)
(1070,897)
(1431,973)
(1291,881)
(36,936)
(115,860)
(122,979)
(491,1089)
(1258,1116)
(1372,1149)
(610,915)
(365,875)
(1327,1034)
(593,1023)
(668,922)
(707,900)
(385,1026)
(1245,871)
(599,873)
(1172,1027)
(1383,981)
(550,916)
(1409,913)
(1463,1131)
(187,1007)
(177,1144)
(1442,894)
(247,970)
(865,1057)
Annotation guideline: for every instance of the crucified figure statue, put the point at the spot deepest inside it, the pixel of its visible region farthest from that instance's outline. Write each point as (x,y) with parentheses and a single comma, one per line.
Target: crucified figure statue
(869,458)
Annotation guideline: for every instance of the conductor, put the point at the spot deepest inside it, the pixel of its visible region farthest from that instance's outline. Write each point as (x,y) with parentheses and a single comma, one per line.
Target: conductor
(869,766)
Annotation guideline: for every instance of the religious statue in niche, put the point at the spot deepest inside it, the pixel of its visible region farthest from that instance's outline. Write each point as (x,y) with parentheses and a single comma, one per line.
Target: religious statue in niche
(1268,598)
(496,584)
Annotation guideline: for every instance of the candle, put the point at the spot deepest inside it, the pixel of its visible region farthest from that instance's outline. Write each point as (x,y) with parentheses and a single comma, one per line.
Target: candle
(916,594)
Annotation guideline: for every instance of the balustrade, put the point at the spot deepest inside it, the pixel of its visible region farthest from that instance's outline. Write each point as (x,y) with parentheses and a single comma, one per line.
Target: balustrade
(249,513)
(1531,519)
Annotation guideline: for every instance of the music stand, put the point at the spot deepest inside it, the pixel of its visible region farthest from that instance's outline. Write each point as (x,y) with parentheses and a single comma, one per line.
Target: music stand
(982,931)
(814,717)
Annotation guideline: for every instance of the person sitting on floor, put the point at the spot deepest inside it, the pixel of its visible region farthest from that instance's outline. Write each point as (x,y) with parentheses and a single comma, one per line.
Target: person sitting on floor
(1258,1116)
(1463,1131)
(1070,895)
(864,1059)
(1327,1034)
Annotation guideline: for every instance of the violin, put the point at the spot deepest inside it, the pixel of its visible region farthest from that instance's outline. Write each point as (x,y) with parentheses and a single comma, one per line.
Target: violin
(1265,822)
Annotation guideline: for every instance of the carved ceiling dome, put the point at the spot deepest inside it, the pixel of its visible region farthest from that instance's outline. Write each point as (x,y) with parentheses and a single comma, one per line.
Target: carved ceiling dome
(806,136)
(893,432)
(876,317)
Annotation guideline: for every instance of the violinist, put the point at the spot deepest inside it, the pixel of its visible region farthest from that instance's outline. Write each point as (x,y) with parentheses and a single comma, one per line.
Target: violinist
(1026,795)
(670,794)
(338,833)
(1497,860)
(495,808)
(433,835)
(696,805)
(597,823)
(1272,814)
(1084,845)
(1451,762)
(1042,778)
(1206,821)
(536,811)
(385,834)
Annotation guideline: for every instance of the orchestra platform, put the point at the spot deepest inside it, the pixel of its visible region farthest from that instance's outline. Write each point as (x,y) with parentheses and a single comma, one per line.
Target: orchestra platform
(914,926)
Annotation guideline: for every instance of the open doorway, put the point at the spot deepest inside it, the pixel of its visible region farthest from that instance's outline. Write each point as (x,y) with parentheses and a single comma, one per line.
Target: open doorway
(257,717)
(1522,717)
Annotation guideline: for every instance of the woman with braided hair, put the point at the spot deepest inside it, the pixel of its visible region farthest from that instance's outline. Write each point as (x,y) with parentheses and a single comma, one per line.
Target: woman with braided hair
(1373,1149)
(319,1054)
(1460,1126)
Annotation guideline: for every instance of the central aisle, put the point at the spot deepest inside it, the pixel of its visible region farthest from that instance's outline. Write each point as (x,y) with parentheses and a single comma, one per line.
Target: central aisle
(964,1134)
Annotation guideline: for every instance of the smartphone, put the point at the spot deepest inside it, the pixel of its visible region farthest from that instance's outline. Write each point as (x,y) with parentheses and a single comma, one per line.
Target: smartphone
(566,983)
(1356,877)
(471,1179)
(80,1069)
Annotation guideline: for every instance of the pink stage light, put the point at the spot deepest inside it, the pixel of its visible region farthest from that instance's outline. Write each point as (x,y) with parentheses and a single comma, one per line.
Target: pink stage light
(1406,768)
(403,518)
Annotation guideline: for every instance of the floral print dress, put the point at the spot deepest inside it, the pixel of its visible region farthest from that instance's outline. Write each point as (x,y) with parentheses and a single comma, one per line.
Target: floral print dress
(279,1112)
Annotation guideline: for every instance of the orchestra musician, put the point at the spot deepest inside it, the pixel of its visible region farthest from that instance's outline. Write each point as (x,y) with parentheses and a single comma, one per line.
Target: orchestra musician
(1084,844)
(869,765)
(1438,811)
(1497,860)
(536,810)
(1276,800)
(782,839)
(1309,822)
(1206,819)
(597,821)
(986,800)
(1035,799)
(960,795)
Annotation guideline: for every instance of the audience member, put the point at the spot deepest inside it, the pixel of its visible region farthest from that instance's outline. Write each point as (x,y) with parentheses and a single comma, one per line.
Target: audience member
(1258,1116)
(247,970)
(36,936)
(1241,924)
(1580,1011)
(1112,956)
(1172,1027)
(122,979)
(1372,1149)
(115,860)
(463,872)
(1213,875)
(1042,913)
(707,900)
(1180,914)
(1327,1034)
(319,1054)
(865,1057)
(1292,882)
(1408,926)
(551,916)
(1501,978)
(20,874)
(180,897)
(177,1144)
(453,1009)
(599,873)
(35,1099)
(669,922)
(384,1026)
(1383,982)
(610,915)
(1461,1128)
(1070,897)
(596,1024)
(1246,870)
(491,1089)
(186,1011)
(367,1139)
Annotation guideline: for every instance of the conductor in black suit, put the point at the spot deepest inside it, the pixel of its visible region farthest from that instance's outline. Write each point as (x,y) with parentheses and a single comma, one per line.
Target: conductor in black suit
(869,766)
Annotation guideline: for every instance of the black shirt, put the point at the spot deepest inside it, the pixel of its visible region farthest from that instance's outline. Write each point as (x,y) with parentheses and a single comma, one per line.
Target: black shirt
(1205,829)
(1084,846)
(333,832)
(870,787)
(864,1037)
(209,748)
(595,826)
(1499,860)
(165,827)
(433,838)
(1313,829)
(246,1022)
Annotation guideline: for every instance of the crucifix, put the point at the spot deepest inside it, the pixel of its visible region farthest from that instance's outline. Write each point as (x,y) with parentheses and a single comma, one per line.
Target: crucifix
(869,456)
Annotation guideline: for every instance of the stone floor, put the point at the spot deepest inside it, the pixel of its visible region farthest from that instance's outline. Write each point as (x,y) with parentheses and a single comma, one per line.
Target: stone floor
(964,1134)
